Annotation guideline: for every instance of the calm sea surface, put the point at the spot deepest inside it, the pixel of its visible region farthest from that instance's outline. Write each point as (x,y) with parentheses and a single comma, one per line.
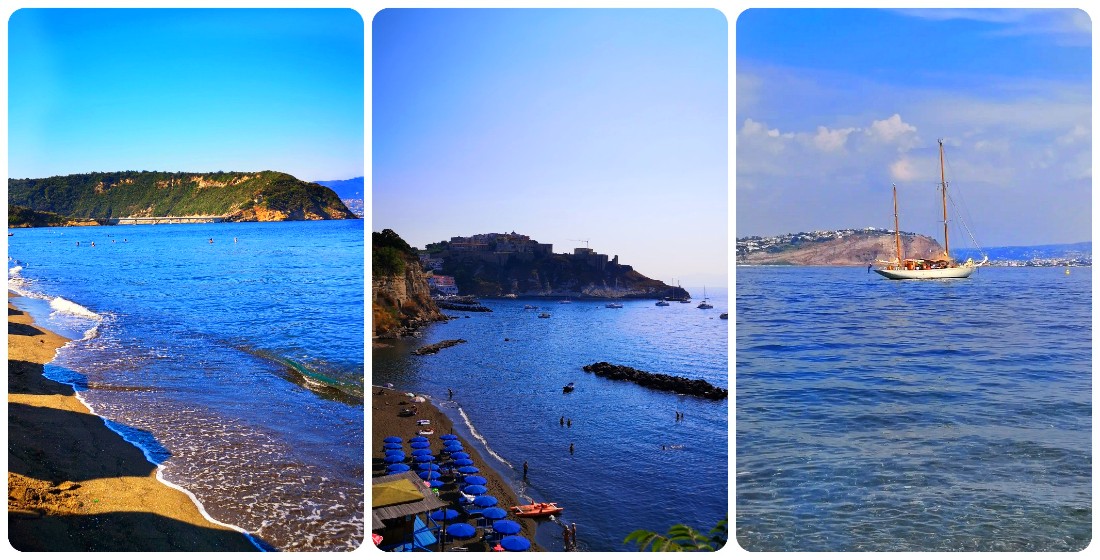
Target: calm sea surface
(181,344)
(924,415)
(507,382)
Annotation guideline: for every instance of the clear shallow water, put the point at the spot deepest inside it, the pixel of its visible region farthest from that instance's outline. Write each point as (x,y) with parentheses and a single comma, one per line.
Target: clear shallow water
(930,416)
(178,342)
(618,479)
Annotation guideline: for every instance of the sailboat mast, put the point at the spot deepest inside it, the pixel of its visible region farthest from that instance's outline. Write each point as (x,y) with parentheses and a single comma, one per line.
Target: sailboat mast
(943,191)
(897,232)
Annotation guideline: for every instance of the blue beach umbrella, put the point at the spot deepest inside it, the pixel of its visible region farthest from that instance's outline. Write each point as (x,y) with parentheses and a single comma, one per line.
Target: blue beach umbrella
(392,439)
(494,513)
(463,463)
(507,527)
(475,490)
(420,445)
(454,443)
(441,514)
(468,470)
(429,475)
(461,530)
(398,468)
(448,436)
(395,458)
(460,455)
(428,467)
(476,480)
(485,501)
(435,484)
(417,438)
(391,445)
(515,543)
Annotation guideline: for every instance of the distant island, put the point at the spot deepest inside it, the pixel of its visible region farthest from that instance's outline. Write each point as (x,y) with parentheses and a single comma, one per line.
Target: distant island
(107,198)
(859,247)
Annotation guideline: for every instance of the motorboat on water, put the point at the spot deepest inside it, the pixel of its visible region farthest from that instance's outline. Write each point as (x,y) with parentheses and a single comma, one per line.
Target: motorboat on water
(614,305)
(662,303)
(540,509)
(568,388)
(941,266)
(544,315)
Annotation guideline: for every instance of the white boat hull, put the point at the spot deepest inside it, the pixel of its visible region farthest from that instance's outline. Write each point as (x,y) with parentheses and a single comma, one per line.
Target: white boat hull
(928,274)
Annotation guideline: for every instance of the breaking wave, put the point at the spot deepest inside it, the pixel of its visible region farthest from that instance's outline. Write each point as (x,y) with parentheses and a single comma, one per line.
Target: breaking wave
(64,306)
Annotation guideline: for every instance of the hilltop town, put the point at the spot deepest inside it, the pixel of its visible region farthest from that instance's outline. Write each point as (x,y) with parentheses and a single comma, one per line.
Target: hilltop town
(505,264)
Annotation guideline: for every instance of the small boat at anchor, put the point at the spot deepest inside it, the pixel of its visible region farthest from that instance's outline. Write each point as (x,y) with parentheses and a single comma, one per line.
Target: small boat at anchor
(541,509)
(568,388)
(544,315)
(662,303)
(614,305)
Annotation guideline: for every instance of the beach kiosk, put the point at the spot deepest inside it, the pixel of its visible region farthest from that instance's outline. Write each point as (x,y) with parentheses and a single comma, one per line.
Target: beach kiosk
(397,502)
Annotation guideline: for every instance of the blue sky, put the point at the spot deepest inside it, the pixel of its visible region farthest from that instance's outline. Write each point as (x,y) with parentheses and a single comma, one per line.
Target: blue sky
(835,105)
(186,90)
(603,125)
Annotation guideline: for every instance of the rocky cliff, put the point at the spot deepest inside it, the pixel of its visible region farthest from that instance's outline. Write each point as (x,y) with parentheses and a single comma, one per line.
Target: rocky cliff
(856,250)
(401,302)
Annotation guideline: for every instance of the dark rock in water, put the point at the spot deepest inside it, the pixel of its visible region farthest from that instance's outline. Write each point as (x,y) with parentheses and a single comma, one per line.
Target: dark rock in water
(463,307)
(433,348)
(696,387)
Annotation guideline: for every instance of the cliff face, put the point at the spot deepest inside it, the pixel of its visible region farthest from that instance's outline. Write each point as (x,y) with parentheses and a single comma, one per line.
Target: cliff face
(401,302)
(850,251)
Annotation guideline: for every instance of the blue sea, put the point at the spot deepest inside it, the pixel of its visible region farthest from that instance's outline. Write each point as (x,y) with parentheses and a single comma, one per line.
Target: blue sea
(507,381)
(231,354)
(943,415)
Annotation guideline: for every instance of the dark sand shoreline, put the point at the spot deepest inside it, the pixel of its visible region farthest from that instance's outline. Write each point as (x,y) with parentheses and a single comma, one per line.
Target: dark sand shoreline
(386,422)
(75,485)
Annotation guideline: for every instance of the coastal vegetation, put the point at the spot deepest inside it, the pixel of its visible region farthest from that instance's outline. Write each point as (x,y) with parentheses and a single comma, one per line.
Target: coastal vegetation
(681,538)
(236,196)
(21,217)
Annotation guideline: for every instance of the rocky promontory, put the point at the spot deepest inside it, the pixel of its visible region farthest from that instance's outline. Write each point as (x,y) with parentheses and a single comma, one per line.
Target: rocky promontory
(233,196)
(677,384)
(399,288)
(833,248)
(513,264)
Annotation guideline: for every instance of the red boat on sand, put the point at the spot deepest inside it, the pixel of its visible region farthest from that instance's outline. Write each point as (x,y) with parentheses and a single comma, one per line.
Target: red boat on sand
(537,509)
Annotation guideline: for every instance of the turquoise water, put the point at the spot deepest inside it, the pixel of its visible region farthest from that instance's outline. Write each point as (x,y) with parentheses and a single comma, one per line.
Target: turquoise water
(879,415)
(188,346)
(507,381)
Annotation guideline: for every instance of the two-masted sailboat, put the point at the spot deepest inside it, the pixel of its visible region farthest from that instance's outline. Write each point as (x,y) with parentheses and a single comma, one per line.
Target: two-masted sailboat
(941,266)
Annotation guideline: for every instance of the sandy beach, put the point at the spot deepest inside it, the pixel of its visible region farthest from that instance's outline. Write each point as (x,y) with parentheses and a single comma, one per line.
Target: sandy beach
(74,485)
(386,422)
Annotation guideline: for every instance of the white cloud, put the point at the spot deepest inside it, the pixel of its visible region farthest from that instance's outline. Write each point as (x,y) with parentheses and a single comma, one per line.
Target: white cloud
(903,170)
(832,140)
(891,129)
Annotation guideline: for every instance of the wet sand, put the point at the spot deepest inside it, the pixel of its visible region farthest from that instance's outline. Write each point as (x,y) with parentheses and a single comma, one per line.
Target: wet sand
(386,422)
(74,485)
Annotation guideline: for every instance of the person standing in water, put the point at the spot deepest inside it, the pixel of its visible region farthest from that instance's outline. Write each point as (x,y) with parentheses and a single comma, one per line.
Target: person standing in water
(525,470)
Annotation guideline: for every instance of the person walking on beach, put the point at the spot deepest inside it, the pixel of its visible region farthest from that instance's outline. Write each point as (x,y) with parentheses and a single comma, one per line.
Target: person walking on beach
(565,537)
(573,535)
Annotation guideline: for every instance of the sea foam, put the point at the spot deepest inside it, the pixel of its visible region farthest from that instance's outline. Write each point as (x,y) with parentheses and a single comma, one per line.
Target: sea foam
(62,305)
